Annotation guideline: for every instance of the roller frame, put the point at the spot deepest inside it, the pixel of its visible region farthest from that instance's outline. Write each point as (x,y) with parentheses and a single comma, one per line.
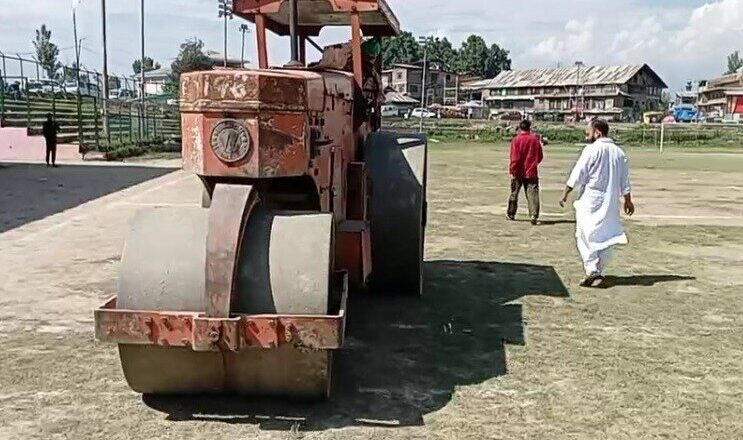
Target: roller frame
(233,333)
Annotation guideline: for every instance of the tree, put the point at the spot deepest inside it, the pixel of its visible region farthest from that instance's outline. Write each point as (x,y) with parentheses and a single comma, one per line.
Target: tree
(190,58)
(149,64)
(735,62)
(400,49)
(441,50)
(46,51)
(496,62)
(472,56)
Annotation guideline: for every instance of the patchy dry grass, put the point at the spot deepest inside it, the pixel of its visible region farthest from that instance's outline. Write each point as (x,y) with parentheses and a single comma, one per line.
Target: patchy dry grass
(502,345)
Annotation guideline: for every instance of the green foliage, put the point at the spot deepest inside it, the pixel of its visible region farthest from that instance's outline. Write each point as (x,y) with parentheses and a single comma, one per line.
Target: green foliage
(735,62)
(190,58)
(441,50)
(149,65)
(400,49)
(497,61)
(46,51)
(472,56)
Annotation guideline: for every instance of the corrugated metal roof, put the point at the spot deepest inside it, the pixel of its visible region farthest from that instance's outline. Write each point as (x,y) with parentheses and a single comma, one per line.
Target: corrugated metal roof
(566,76)
(399,98)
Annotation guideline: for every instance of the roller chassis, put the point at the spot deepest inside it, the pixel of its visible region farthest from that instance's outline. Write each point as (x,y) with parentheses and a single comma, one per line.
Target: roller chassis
(234,333)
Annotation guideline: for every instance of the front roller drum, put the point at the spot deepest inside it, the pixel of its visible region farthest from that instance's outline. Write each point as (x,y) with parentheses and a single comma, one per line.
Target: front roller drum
(163,269)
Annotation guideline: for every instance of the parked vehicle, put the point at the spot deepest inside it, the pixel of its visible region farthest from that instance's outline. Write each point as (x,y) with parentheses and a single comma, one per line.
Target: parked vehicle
(86,89)
(513,115)
(44,86)
(685,113)
(421,113)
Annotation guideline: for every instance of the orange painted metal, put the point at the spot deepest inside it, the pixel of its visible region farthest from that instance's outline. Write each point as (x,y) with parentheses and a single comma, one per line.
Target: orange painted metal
(376,16)
(358,74)
(233,333)
(353,251)
(229,210)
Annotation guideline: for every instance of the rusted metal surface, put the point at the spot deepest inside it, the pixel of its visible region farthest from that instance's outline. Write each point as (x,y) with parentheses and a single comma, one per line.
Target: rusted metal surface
(353,251)
(234,333)
(565,76)
(230,208)
(376,17)
(358,74)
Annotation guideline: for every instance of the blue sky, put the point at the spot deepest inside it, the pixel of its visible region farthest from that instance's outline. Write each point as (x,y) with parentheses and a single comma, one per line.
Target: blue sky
(681,39)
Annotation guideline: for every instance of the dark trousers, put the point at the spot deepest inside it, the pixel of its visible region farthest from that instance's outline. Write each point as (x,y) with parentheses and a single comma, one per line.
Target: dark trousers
(531,188)
(51,150)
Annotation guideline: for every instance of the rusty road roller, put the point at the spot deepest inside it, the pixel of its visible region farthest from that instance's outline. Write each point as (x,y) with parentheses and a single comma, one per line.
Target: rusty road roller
(304,200)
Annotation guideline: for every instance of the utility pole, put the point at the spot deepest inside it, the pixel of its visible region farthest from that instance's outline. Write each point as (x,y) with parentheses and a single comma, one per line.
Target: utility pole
(225,11)
(75,4)
(424,42)
(105,72)
(244,29)
(578,92)
(143,110)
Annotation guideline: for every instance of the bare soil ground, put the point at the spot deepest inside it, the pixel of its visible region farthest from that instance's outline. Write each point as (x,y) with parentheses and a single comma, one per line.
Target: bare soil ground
(502,345)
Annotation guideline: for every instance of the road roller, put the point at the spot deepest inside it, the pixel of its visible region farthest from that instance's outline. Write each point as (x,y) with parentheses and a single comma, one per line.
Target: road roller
(304,200)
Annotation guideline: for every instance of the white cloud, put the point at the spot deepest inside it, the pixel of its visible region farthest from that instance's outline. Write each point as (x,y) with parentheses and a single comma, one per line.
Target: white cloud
(688,44)
(681,39)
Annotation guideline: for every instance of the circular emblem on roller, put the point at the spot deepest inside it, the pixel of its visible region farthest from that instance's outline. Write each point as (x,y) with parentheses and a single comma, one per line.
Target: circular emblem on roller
(230,140)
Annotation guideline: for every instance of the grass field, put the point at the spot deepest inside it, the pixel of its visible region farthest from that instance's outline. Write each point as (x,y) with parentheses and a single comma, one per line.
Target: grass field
(503,345)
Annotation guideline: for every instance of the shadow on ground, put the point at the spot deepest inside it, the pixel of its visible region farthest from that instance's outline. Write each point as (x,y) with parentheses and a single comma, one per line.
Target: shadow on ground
(403,357)
(641,280)
(30,192)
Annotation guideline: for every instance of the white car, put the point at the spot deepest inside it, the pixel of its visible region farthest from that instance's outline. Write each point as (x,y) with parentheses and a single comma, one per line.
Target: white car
(422,113)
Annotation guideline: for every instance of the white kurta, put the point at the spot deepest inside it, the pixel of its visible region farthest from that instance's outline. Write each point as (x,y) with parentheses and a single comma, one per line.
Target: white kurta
(602,172)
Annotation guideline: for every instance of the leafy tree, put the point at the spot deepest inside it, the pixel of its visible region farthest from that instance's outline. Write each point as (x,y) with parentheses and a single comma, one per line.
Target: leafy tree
(735,62)
(472,56)
(441,50)
(496,62)
(46,51)
(149,64)
(400,49)
(190,58)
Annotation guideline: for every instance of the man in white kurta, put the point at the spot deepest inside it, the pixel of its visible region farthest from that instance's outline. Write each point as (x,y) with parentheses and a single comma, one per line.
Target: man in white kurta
(602,172)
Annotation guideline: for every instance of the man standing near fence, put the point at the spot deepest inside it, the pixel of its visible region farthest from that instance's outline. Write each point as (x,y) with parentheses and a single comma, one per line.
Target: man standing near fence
(603,173)
(526,154)
(50,130)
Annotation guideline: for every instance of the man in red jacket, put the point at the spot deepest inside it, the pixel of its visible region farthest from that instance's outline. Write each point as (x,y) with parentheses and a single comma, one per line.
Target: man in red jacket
(526,154)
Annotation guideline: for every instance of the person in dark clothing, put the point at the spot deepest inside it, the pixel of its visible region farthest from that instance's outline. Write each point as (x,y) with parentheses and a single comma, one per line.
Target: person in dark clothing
(526,155)
(50,130)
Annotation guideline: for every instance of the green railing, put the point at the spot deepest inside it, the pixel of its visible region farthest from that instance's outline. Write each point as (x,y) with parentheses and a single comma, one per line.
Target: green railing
(94,121)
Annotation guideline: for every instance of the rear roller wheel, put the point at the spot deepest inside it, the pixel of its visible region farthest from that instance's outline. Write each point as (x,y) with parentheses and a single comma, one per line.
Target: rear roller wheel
(396,166)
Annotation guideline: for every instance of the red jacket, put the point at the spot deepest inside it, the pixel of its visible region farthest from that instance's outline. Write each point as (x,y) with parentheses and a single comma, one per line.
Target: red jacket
(526,154)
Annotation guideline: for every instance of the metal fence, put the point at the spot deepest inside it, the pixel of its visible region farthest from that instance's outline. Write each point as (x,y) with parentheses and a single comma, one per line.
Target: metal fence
(74,96)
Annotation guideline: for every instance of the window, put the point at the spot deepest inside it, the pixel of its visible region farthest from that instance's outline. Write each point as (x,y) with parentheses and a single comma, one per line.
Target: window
(398,75)
(434,77)
(414,89)
(448,78)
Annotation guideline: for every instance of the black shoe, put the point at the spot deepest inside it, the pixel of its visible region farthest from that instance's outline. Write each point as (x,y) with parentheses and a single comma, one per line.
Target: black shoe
(534,221)
(510,217)
(591,280)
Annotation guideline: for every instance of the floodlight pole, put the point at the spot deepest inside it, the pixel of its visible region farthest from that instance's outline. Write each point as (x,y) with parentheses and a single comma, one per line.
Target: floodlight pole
(424,40)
